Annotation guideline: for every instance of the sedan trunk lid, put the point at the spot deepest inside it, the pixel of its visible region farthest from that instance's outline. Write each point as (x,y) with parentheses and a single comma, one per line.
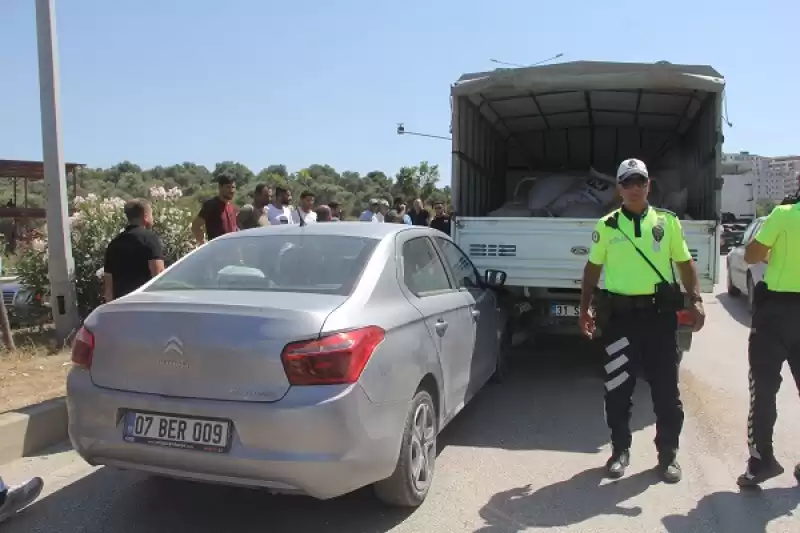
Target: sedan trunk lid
(219,345)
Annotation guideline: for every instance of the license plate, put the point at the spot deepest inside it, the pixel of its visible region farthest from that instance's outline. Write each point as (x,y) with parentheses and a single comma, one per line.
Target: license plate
(203,434)
(564,310)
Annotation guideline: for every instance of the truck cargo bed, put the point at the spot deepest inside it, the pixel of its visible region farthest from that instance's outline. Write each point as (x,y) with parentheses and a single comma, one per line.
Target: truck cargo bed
(551,252)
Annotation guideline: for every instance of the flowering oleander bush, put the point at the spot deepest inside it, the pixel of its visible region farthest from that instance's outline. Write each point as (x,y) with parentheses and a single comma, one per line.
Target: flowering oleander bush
(96,221)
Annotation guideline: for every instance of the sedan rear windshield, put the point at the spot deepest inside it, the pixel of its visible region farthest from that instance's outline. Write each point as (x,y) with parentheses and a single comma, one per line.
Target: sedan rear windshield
(322,264)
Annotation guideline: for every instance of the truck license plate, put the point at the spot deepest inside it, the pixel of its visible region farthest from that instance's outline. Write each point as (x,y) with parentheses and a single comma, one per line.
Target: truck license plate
(202,434)
(564,310)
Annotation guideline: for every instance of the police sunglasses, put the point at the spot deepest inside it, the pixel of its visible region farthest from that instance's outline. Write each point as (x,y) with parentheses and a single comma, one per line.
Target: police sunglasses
(634,181)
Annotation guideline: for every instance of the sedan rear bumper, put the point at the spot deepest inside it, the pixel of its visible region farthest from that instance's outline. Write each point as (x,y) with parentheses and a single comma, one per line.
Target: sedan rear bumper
(319,441)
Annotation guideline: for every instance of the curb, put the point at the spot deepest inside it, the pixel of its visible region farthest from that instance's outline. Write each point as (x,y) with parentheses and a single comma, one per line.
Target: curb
(30,430)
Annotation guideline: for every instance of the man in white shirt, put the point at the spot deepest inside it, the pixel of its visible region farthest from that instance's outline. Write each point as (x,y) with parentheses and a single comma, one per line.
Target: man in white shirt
(383,208)
(304,213)
(369,214)
(279,210)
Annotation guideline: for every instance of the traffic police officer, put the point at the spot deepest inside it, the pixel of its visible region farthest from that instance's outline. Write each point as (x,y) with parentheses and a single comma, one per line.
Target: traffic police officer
(637,245)
(774,335)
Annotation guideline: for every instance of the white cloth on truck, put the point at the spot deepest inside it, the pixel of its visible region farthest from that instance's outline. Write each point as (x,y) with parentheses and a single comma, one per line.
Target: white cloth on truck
(602,186)
(571,195)
(548,189)
(595,191)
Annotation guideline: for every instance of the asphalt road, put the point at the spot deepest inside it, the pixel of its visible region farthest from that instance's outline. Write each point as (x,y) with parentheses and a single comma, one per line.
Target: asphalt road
(524,456)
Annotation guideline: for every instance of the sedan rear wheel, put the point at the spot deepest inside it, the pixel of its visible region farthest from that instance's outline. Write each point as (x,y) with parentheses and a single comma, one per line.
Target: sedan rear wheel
(732,290)
(409,484)
(751,289)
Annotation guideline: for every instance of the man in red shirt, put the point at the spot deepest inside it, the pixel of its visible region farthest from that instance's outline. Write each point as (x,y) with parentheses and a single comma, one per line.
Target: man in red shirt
(217,215)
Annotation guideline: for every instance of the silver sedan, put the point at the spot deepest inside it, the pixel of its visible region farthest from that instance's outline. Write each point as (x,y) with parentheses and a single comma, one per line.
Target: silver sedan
(312,360)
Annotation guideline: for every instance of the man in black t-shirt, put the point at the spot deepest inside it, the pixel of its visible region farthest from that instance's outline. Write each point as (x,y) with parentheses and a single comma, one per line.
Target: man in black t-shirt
(134,256)
(217,215)
(419,215)
(441,220)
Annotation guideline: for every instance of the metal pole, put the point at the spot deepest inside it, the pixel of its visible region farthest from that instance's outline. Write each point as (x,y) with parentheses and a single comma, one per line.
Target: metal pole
(61,264)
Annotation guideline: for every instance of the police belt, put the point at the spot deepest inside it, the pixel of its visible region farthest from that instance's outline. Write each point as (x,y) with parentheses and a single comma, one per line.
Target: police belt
(775,296)
(623,303)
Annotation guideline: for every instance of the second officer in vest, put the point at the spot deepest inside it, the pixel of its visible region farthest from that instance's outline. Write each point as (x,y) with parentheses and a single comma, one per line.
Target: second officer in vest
(637,245)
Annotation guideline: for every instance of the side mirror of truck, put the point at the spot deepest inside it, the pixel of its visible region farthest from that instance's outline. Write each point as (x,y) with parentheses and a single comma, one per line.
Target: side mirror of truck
(494,278)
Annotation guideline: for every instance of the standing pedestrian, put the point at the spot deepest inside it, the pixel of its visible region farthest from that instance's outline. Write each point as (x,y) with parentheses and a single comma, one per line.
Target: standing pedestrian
(383,208)
(419,215)
(402,211)
(336,211)
(304,213)
(324,214)
(134,256)
(15,499)
(441,220)
(279,211)
(638,322)
(217,215)
(774,335)
(369,214)
(255,215)
(392,217)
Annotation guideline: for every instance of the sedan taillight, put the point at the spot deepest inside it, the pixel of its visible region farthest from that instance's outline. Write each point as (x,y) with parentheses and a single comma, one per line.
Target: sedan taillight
(334,359)
(83,348)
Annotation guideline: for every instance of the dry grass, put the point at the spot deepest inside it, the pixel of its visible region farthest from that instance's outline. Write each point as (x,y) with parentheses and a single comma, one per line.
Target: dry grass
(34,373)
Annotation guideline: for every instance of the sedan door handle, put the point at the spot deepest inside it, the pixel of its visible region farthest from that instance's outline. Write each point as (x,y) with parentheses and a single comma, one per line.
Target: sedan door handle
(441,327)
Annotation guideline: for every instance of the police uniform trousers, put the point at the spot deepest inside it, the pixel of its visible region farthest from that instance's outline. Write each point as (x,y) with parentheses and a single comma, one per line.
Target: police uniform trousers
(774,339)
(640,340)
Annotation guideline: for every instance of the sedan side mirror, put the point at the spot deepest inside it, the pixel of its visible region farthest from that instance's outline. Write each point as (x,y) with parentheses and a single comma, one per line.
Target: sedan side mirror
(494,278)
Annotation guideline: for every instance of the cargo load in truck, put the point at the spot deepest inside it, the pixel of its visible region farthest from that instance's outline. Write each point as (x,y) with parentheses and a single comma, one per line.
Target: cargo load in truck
(515,129)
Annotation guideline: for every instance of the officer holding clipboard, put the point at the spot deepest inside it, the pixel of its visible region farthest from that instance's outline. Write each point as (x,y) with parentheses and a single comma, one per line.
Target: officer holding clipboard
(637,314)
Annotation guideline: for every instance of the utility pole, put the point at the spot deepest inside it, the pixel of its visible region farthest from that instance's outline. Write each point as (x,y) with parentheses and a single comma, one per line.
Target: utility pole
(61,264)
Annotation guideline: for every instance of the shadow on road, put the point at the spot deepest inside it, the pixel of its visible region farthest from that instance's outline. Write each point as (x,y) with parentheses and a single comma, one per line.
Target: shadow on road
(108,501)
(552,401)
(736,307)
(746,512)
(565,503)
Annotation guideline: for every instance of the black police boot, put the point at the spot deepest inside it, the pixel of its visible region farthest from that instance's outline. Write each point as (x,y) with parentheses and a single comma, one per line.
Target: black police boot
(669,470)
(617,463)
(760,470)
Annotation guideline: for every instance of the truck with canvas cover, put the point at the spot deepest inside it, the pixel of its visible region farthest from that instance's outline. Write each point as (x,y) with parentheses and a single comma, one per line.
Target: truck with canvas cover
(535,151)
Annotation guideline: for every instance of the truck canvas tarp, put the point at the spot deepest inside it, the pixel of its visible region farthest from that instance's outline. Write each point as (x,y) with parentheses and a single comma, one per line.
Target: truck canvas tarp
(515,125)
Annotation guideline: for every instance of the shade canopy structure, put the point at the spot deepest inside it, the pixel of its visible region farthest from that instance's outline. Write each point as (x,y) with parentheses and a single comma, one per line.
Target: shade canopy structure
(19,170)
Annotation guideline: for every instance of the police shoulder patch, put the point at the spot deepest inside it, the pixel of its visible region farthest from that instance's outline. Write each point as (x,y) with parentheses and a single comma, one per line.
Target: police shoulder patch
(666,211)
(595,236)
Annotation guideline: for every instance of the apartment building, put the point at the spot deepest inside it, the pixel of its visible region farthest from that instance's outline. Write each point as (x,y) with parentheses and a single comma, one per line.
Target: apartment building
(753,178)
(786,170)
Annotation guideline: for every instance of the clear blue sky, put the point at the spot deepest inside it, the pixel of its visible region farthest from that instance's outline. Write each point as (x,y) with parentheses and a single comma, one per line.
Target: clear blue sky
(302,82)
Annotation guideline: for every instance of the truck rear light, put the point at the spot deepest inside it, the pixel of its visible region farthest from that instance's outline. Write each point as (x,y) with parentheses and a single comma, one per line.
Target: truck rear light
(685,318)
(334,359)
(83,348)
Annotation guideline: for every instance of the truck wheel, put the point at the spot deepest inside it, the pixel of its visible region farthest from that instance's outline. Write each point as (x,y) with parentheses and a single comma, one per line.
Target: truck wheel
(409,484)
(732,290)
